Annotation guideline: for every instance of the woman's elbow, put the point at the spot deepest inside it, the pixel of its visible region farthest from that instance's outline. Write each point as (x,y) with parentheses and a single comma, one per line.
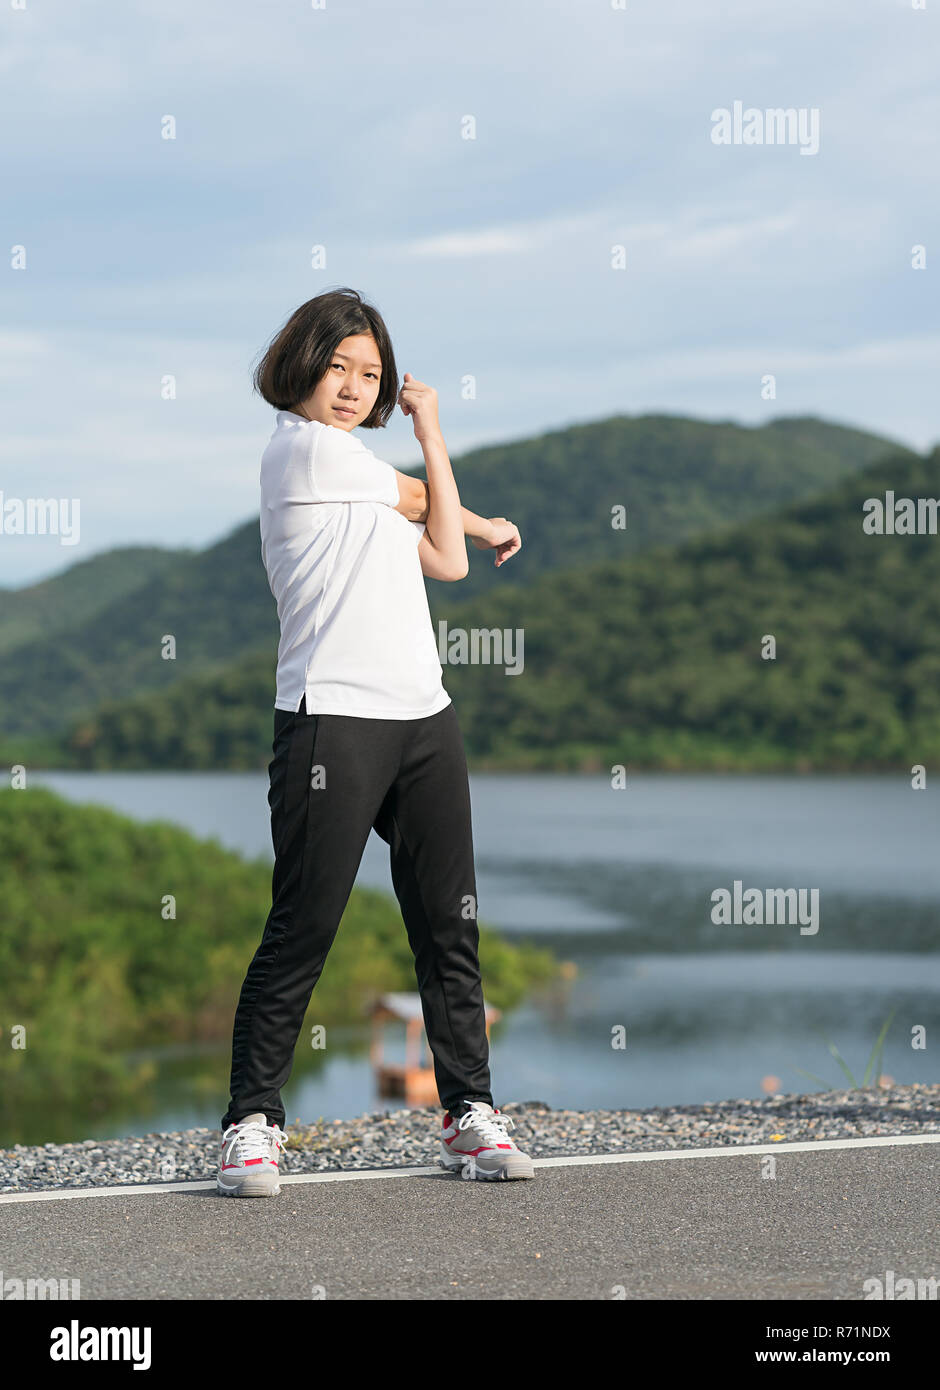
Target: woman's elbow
(453,570)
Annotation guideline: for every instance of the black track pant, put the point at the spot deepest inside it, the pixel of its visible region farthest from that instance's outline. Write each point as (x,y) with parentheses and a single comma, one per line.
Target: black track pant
(333,778)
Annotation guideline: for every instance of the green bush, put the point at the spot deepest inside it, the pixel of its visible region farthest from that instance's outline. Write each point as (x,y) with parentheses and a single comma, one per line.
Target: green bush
(91,967)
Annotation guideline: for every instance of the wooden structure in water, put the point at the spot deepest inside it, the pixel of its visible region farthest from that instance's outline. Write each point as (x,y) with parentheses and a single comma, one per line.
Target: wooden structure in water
(412,1080)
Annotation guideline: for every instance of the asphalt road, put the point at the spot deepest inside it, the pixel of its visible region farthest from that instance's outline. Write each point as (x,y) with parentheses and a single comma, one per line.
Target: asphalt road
(685,1228)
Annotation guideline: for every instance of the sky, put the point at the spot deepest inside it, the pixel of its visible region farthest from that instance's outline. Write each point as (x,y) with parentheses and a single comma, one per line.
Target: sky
(529,191)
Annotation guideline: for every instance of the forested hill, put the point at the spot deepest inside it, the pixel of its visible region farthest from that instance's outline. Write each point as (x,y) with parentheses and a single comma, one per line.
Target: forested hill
(96,633)
(677,477)
(657,660)
(79,592)
(654,660)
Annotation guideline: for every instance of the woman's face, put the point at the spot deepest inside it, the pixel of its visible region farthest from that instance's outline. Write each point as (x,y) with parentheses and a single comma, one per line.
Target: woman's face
(352,381)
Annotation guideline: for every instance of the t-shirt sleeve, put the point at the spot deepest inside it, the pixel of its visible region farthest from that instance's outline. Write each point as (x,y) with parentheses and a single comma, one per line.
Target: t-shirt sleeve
(342,469)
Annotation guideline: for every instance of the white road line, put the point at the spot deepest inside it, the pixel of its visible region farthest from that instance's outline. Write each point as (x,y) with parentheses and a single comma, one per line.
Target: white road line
(578,1160)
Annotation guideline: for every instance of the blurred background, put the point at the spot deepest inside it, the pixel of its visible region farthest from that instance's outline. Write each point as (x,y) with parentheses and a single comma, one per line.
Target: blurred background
(683,367)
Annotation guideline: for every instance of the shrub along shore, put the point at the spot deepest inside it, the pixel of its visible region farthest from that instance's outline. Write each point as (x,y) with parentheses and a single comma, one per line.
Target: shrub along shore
(123,935)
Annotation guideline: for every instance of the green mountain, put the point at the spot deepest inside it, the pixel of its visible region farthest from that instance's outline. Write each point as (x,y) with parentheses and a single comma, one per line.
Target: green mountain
(675,476)
(654,660)
(215,604)
(657,660)
(79,593)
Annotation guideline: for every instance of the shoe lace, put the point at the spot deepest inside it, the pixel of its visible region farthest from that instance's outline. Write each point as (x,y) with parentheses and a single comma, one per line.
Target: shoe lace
(492,1128)
(252,1140)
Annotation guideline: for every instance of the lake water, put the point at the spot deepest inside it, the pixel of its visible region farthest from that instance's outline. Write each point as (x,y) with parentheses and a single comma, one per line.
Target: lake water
(621,883)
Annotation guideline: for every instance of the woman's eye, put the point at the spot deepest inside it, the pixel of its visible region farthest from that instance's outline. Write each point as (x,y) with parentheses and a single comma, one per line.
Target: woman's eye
(340,365)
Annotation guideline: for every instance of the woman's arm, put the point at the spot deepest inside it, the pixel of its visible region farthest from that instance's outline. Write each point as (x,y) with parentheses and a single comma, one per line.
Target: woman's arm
(499,535)
(493,533)
(413,504)
(487,533)
(443,549)
(412,497)
(478,528)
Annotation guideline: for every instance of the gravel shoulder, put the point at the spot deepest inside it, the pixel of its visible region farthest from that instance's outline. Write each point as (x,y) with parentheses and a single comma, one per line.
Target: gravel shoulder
(408,1138)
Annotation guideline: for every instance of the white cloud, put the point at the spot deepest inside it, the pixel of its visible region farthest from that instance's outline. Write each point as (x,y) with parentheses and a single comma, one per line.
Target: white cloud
(919,353)
(341,127)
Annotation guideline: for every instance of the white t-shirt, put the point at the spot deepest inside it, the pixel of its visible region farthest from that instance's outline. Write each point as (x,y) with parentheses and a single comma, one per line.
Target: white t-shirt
(356,634)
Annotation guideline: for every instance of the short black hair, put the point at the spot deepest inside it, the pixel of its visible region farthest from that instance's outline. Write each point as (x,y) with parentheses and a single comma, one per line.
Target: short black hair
(299,356)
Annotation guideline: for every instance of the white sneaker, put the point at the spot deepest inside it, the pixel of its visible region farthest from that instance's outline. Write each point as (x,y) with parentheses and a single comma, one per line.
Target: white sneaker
(479,1146)
(248,1165)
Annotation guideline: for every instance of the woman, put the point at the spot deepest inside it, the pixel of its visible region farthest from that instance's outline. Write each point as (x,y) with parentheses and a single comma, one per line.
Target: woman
(364,733)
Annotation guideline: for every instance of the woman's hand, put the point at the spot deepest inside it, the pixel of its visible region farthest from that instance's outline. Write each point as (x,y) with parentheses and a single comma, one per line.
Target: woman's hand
(504,538)
(420,402)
